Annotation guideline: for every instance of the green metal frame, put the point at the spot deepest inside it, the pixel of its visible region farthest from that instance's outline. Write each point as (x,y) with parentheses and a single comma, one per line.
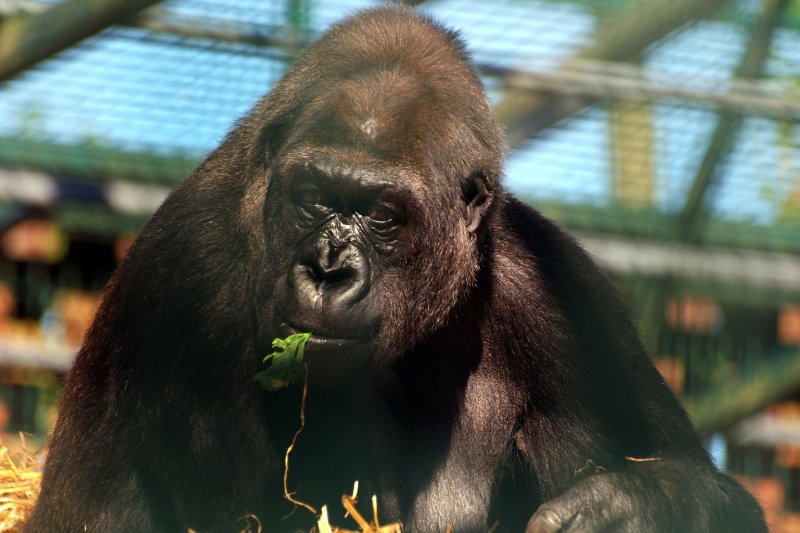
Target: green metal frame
(95,163)
(26,39)
(723,405)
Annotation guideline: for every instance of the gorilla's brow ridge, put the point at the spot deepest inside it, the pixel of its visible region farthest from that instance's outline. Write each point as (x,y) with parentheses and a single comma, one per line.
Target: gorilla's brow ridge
(360,176)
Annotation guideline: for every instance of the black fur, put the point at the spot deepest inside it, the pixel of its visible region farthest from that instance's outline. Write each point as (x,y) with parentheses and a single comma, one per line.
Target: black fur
(487,368)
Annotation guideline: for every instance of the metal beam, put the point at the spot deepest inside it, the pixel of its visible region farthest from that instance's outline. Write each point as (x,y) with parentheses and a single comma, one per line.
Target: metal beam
(622,39)
(162,20)
(689,220)
(26,39)
(719,408)
(607,80)
(95,163)
(689,223)
(737,268)
(586,78)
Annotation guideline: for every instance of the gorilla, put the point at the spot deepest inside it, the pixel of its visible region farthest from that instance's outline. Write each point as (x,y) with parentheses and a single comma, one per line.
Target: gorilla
(469,364)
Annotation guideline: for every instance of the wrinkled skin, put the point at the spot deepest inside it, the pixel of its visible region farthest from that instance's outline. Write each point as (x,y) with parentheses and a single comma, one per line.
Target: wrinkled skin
(469,362)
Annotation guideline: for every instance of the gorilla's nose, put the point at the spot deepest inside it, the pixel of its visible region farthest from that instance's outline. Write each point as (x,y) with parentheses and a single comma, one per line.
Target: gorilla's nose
(337,274)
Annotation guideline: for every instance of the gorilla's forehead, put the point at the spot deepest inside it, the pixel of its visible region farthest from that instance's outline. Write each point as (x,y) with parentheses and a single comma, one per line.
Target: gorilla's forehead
(388,111)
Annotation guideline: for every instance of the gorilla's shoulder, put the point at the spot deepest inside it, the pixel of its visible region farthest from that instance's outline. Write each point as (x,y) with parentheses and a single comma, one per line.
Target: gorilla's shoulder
(554,254)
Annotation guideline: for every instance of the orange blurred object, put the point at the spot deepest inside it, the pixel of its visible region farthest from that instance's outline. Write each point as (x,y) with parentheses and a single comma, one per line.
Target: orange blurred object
(687,313)
(77,311)
(771,495)
(789,523)
(672,370)
(789,325)
(122,245)
(36,241)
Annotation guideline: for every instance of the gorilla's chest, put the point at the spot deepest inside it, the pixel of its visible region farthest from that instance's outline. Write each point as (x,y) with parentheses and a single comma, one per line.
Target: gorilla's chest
(413,464)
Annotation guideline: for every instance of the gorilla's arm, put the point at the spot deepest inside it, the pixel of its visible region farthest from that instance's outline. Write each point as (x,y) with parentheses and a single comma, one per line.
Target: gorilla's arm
(629,458)
(155,397)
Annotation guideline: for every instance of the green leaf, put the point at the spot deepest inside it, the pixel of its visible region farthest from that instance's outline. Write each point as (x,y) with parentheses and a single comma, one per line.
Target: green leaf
(285,363)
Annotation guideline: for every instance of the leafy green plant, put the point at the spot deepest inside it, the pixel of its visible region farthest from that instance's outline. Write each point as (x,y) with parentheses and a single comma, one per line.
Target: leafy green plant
(286,362)
(286,366)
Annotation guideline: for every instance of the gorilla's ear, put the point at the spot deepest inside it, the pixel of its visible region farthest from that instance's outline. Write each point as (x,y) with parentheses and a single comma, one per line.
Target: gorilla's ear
(477,197)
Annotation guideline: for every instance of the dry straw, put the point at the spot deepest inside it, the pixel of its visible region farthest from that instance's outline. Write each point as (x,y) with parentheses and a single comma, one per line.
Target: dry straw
(20,477)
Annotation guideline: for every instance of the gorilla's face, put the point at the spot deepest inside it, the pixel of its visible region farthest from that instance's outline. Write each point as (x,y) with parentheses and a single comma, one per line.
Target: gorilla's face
(347,224)
(379,217)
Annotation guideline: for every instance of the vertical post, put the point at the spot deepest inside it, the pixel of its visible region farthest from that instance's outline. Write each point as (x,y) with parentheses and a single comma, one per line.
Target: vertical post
(631,133)
(298,17)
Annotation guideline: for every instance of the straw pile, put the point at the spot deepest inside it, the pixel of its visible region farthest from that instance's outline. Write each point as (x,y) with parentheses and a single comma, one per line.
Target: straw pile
(20,476)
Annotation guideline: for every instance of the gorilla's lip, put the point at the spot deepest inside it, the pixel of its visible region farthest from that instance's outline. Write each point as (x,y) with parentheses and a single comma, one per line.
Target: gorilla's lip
(320,339)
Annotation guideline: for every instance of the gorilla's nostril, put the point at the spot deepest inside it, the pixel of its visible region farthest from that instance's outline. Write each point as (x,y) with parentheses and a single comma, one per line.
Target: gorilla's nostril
(333,276)
(313,272)
(337,276)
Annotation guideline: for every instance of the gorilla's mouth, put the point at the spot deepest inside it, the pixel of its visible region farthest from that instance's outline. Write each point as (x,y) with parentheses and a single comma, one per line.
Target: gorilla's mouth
(323,339)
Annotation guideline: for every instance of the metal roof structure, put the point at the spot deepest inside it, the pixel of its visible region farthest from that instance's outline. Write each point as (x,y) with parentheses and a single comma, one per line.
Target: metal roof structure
(144,101)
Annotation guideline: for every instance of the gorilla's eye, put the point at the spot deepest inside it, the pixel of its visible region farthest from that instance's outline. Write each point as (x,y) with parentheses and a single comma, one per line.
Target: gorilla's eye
(309,199)
(380,214)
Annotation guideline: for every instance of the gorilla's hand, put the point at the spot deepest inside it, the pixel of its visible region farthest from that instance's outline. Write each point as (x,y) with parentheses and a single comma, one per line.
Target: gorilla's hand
(662,496)
(598,504)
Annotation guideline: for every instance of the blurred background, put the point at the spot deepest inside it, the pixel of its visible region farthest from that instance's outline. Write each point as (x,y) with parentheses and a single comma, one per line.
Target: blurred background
(665,134)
